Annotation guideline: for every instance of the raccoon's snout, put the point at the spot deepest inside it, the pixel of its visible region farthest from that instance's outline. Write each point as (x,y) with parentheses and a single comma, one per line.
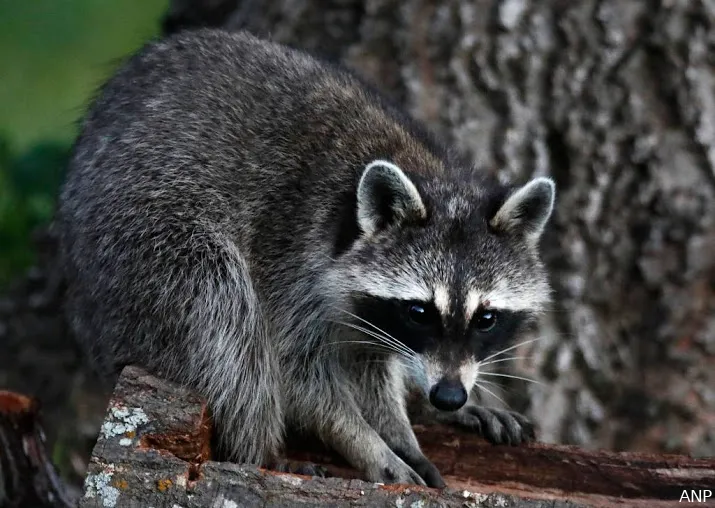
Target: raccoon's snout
(448,395)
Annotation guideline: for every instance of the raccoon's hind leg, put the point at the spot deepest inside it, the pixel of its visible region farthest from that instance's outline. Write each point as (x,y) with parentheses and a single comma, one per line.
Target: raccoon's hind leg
(233,363)
(189,313)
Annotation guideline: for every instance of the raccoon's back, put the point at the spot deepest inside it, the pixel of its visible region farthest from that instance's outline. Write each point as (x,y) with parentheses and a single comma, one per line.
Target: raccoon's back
(182,152)
(222,128)
(204,115)
(214,133)
(206,150)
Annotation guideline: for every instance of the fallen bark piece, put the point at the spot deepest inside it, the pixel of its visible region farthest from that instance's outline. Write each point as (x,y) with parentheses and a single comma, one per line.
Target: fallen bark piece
(154,450)
(27,475)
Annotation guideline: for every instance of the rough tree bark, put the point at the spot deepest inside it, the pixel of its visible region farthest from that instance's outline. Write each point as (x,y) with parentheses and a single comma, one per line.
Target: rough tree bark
(154,450)
(27,475)
(615,100)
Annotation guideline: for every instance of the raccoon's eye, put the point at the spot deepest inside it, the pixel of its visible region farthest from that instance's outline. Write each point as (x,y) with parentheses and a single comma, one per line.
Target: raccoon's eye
(485,320)
(420,315)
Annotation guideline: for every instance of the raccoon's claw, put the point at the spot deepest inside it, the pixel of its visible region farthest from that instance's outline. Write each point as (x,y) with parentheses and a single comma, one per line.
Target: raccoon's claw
(428,471)
(297,467)
(394,470)
(423,467)
(496,425)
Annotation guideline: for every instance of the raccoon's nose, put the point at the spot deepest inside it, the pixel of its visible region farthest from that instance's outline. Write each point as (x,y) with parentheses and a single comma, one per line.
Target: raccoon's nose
(448,395)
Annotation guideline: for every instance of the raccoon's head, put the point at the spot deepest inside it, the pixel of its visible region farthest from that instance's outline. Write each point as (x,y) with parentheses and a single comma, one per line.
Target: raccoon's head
(445,271)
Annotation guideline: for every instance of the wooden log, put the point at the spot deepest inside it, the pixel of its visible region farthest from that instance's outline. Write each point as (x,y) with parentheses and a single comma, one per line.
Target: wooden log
(154,450)
(27,476)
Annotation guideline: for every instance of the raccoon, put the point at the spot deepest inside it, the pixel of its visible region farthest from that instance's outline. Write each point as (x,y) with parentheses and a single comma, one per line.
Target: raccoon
(265,227)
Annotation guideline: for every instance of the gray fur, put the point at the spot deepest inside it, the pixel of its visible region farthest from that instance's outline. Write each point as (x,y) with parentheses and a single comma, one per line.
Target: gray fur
(212,231)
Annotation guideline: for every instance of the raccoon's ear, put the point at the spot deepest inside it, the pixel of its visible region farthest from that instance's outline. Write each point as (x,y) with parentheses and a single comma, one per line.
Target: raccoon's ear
(527,210)
(386,195)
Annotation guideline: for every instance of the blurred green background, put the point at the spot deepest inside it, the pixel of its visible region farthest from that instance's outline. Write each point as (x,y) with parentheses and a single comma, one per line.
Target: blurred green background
(53,56)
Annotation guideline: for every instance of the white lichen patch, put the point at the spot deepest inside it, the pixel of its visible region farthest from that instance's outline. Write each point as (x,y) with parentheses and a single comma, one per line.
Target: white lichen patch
(125,441)
(122,420)
(290,479)
(474,496)
(180,481)
(500,501)
(98,485)
(222,502)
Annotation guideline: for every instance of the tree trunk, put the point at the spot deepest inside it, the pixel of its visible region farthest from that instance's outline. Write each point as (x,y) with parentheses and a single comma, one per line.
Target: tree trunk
(616,101)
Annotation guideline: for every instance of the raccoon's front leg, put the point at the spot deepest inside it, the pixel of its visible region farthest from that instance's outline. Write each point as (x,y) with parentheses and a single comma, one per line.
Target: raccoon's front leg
(384,407)
(328,407)
(365,449)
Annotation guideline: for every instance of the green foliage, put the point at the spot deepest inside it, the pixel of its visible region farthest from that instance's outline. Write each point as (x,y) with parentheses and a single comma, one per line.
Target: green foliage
(53,56)
(28,186)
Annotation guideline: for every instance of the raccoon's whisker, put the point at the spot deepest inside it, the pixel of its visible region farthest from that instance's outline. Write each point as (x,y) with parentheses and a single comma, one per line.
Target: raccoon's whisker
(386,338)
(405,351)
(396,346)
(479,385)
(513,377)
(327,257)
(374,361)
(499,353)
(377,328)
(365,342)
(364,321)
(378,345)
(492,383)
(412,360)
(508,359)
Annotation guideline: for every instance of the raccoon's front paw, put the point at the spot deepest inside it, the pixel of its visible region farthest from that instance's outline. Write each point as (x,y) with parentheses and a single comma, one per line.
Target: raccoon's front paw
(394,470)
(298,467)
(497,426)
(428,471)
